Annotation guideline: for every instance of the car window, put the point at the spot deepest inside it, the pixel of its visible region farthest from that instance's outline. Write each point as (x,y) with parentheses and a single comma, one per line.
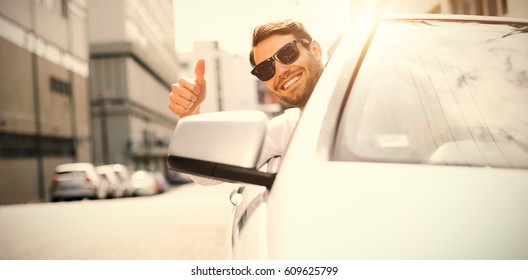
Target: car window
(71,175)
(434,92)
(119,177)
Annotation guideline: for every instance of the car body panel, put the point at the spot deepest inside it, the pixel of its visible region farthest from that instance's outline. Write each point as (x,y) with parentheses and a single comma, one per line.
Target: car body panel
(77,191)
(247,233)
(394,211)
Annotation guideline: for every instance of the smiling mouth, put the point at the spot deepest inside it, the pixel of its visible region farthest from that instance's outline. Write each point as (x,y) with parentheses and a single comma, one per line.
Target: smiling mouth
(291,82)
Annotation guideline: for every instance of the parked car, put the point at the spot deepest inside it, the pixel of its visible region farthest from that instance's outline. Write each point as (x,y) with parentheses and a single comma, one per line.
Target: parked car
(117,186)
(177,178)
(162,181)
(123,174)
(105,184)
(77,181)
(414,145)
(144,183)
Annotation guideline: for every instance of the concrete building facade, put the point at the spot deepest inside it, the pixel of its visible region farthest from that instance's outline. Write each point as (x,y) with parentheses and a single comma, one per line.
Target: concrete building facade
(44,103)
(133,63)
(82,81)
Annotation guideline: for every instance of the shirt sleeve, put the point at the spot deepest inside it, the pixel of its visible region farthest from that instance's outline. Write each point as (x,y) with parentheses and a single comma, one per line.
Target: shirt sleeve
(280,130)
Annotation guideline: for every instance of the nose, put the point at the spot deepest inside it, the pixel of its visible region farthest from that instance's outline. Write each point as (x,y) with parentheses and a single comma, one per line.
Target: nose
(281,69)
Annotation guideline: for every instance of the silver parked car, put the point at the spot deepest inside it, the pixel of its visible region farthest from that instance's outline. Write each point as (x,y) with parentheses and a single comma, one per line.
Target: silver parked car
(77,181)
(414,145)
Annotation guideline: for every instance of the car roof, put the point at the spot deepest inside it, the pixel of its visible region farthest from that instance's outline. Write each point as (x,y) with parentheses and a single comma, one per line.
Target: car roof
(104,168)
(78,166)
(113,166)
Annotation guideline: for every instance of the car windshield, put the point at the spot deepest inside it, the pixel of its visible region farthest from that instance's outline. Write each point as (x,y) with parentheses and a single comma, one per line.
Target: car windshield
(440,92)
(71,175)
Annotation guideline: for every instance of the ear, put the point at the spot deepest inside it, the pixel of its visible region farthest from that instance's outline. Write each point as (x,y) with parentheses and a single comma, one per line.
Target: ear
(316,50)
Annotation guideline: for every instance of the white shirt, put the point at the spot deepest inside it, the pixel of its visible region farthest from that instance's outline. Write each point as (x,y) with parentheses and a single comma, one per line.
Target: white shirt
(280,130)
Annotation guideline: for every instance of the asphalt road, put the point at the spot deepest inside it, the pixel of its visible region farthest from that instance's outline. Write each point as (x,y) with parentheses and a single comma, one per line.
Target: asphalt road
(186,223)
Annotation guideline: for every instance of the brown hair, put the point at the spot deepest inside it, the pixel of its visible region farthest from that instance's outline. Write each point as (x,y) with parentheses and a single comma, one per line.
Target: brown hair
(281,27)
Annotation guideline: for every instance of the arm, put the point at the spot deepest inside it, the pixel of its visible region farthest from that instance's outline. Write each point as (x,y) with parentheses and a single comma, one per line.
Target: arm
(185,99)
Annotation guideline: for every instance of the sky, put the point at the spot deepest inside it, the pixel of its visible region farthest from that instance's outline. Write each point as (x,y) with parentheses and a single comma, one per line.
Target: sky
(230,22)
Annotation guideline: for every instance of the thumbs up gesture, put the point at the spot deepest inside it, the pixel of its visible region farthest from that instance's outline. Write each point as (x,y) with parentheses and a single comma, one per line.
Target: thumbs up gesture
(187,95)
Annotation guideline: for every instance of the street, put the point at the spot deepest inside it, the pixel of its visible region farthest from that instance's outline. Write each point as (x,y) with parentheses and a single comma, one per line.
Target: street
(186,223)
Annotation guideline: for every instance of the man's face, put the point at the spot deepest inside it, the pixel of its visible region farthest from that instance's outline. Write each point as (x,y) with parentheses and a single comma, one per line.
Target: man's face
(292,83)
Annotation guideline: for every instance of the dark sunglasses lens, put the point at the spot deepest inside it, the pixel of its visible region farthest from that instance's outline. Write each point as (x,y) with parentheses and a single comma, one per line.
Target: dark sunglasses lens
(264,71)
(288,54)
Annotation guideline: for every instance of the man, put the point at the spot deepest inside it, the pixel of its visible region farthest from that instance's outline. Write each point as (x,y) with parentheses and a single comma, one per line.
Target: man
(287,60)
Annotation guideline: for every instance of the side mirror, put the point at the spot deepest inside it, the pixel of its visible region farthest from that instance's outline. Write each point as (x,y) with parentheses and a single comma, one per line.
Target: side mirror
(221,145)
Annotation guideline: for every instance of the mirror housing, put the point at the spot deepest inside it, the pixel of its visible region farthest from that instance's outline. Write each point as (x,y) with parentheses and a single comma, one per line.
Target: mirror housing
(221,145)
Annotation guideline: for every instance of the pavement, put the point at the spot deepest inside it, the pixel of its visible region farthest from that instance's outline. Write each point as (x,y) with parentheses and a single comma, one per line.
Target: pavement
(188,222)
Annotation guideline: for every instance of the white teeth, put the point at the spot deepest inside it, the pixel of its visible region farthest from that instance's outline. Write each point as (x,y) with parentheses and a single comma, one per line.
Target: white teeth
(290,82)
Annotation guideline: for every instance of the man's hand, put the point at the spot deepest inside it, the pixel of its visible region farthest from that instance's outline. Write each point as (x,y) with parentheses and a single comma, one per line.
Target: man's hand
(187,95)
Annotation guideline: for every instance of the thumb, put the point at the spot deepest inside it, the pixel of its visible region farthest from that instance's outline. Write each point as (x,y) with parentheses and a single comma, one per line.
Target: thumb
(199,72)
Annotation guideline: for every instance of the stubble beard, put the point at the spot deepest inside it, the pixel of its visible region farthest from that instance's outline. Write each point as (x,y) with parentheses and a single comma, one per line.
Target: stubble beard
(300,96)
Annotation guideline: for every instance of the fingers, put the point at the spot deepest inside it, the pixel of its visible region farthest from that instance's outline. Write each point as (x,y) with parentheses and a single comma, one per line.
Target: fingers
(179,105)
(183,96)
(187,87)
(178,110)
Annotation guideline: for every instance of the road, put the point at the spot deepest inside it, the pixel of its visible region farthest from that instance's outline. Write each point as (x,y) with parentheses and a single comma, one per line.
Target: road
(186,223)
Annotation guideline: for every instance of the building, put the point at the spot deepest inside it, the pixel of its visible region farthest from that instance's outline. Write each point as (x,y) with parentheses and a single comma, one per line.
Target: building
(44,102)
(133,63)
(82,81)
(505,8)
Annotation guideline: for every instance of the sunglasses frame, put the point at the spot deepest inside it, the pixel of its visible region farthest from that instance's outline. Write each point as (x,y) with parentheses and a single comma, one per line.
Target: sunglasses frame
(275,57)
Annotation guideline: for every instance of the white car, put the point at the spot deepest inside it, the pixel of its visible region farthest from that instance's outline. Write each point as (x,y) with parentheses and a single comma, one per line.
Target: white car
(123,174)
(77,181)
(118,187)
(144,183)
(414,145)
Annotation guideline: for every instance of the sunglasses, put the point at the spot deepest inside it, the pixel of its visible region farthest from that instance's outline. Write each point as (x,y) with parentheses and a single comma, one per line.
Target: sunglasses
(288,54)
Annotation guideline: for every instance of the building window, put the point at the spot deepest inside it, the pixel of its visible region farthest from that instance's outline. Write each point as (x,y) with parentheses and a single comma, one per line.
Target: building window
(64,8)
(24,146)
(50,5)
(466,7)
(492,8)
(479,7)
(455,9)
(59,86)
(436,10)
(504,5)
